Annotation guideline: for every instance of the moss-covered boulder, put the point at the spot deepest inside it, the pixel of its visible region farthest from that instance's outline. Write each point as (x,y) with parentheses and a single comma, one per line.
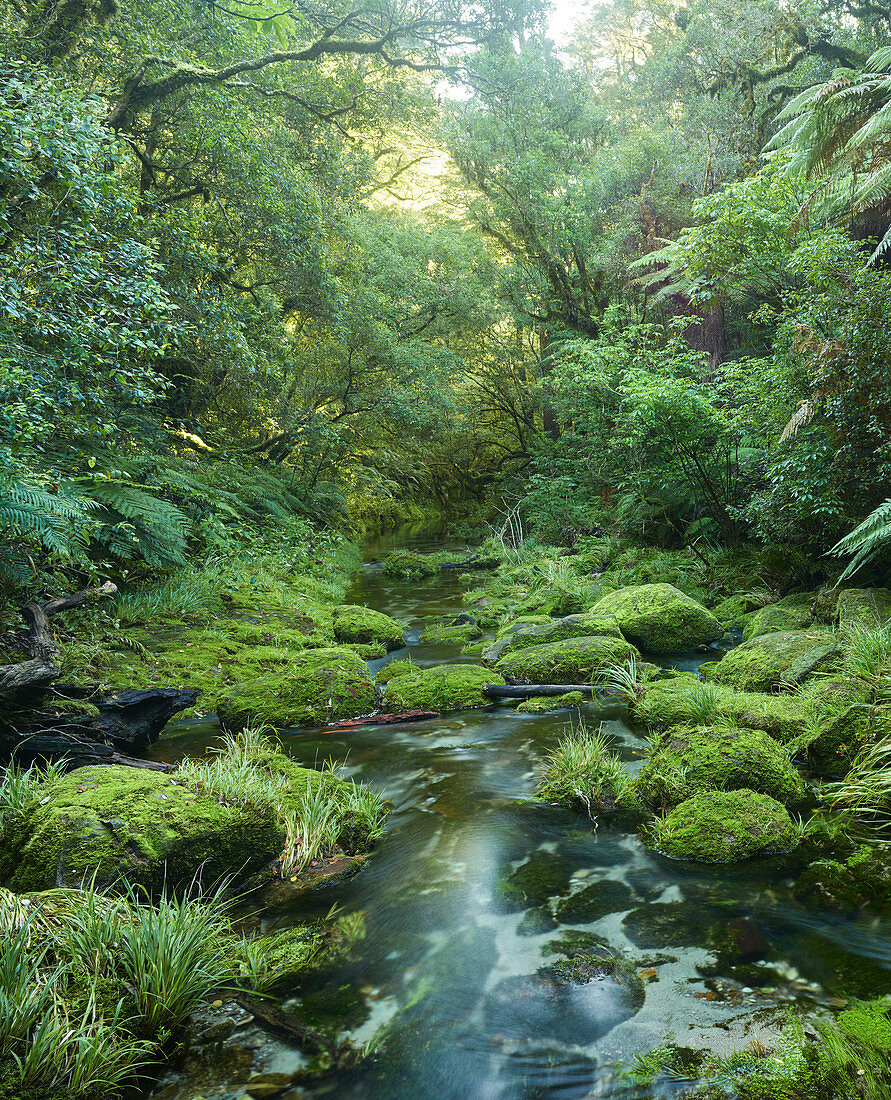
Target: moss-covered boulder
(766,662)
(794,612)
(685,761)
(573,661)
(554,630)
(319,686)
(444,687)
(832,749)
(686,700)
(355,624)
(554,702)
(410,565)
(659,618)
(732,611)
(726,827)
(864,879)
(141,825)
(450,634)
(863,607)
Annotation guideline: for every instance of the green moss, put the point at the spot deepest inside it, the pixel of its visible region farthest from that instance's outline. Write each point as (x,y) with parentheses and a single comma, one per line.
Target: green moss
(72,708)
(370,651)
(573,944)
(514,624)
(687,760)
(864,878)
(552,630)
(732,611)
(473,649)
(141,824)
(409,565)
(863,607)
(395,668)
(832,749)
(354,624)
(316,687)
(867,1025)
(290,952)
(573,661)
(726,826)
(668,924)
(441,633)
(535,922)
(792,613)
(658,618)
(542,877)
(555,702)
(682,701)
(766,662)
(445,687)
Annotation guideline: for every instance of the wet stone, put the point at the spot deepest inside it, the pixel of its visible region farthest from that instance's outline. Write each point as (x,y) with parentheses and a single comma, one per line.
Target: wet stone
(542,877)
(595,901)
(668,924)
(536,921)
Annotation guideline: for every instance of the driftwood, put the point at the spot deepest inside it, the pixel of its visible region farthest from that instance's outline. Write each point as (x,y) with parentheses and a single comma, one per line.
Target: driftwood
(43,667)
(382,720)
(535,691)
(470,563)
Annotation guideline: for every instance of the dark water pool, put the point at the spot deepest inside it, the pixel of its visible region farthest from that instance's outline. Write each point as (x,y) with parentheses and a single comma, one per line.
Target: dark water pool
(451,975)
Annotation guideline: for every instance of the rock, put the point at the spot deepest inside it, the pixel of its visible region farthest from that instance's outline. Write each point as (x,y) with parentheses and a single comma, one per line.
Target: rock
(526,634)
(795,612)
(863,607)
(542,877)
(659,618)
(450,634)
(595,901)
(726,827)
(669,924)
(573,661)
(686,700)
(319,686)
(353,623)
(833,749)
(443,687)
(864,879)
(263,1085)
(555,702)
(731,612)
(116,821)
(687,760)
(766,662)
(535,922)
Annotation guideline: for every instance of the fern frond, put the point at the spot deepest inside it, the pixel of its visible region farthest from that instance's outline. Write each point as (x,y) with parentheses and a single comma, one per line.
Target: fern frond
(868,540)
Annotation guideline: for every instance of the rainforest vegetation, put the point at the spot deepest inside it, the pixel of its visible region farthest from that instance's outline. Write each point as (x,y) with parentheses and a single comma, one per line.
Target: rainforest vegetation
(606,290)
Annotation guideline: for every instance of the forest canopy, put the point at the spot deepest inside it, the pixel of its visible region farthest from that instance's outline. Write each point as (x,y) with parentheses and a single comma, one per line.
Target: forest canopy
(388,258)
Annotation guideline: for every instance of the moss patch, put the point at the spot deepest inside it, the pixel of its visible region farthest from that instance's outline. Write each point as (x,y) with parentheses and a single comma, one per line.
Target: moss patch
(766,662)
(553,630)
(445,687)
(318,686)
(725,827)
(792,613)
(694,759)
(863,607)
(573,661)
(831,750)
(555,702)
(360,624)
(658,618)
(442,633)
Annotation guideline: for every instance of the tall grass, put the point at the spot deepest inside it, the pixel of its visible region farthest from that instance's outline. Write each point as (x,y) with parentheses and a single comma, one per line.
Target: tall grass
(865,792)
(232,772)
(867,649)
(21,789)
(624,680)
(582,769)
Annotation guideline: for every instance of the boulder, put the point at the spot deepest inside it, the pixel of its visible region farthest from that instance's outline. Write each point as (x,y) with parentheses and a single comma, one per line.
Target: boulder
(795,612)
(450,634)
(572,661)
(833,749)
(114,822)
(863,607)
(555,702)
(319,686)
(695,759)
(355,624)
(659,618)
(766,662)
(726,827)
(525,635)
(444,687)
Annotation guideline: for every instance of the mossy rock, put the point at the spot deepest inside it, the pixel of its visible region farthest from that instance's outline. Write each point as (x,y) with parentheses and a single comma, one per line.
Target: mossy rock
(659,618)
(535,922)
(137,824)
(289,952)
(573,661)
(395,668)
(555,702)
(514,624)
(444,633)
(355,624)
(864,879)
(444,687)
(553,630)
(726,827)
(794,612)
(687,760)
(732,610)
(409,565)
(770,660)
(668,924)
(868,1025)
(833,749)
(869,607)
(543,876)
(319,686)
(593,902)
(682,700)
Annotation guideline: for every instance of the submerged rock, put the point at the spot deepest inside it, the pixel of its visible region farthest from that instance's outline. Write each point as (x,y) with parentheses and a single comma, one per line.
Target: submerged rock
(319,686)
(864,879)
(595,901)
(659,618)
(726,827)
(542,877)
(355,624)
(766,662)
(685,761)
(443,687)
(573,661)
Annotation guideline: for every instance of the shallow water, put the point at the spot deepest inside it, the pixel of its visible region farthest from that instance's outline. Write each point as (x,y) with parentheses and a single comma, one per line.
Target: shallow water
(447,968)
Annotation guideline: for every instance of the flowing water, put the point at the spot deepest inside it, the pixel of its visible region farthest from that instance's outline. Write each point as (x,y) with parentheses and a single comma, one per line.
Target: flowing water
(458,976)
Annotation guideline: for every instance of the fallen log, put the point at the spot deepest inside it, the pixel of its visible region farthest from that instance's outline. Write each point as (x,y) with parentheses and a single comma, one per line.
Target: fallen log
(44,667)
(535,691)
(77,753)
(470,563)
(382,720)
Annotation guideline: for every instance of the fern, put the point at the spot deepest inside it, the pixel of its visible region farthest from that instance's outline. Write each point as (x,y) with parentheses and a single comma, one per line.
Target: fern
(52,520)
(134,524)
(868,541)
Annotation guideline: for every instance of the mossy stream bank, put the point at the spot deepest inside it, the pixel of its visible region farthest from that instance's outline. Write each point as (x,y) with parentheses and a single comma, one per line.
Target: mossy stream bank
(499,946)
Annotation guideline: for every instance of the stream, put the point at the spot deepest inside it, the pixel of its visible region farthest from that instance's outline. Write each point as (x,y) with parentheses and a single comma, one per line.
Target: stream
(457,976)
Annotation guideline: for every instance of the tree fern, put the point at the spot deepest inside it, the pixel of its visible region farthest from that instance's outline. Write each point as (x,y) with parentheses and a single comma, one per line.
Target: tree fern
(868,541)
(134,524)
(53,520)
